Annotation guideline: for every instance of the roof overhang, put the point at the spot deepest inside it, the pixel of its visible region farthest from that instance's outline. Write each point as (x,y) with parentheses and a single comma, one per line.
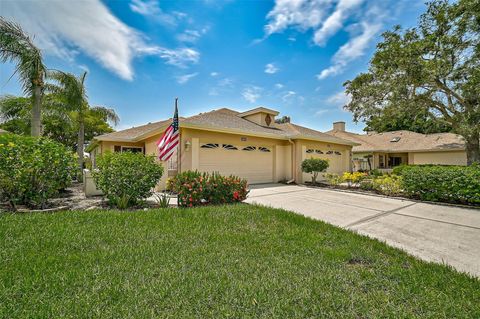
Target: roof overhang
(260,109)
(139,138)
(411,151)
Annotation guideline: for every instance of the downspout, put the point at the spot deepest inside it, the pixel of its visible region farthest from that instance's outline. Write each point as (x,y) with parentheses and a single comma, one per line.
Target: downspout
(293,162)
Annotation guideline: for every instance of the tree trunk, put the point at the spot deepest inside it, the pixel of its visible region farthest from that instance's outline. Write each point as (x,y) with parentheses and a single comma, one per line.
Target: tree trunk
(80,142)
(36,124)
(472,145)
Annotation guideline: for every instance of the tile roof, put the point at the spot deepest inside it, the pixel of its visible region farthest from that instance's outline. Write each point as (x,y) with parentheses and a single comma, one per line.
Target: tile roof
(224,119)
(402,141)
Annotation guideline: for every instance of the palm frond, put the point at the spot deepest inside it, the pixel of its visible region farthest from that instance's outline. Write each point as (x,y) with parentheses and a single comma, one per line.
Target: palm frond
(108,114)
(18,48)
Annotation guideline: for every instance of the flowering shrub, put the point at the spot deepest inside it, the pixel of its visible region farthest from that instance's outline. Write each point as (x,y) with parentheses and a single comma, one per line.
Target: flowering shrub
(353,178)
(33,170)
(388,184)
(126,178)
(333,179)
(195,188)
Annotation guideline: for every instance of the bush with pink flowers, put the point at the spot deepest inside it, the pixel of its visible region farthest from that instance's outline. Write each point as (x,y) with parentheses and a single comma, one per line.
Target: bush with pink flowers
(194,188)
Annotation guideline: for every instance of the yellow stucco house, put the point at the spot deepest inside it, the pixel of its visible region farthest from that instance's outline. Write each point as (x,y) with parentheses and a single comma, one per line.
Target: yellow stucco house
(247,144)
(389,149)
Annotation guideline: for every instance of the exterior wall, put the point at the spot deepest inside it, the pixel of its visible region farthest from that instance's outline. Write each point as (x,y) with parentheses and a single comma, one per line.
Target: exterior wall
(151,149)
(281,149)
(283,163)
(442,158)
(191,139)
(338,163)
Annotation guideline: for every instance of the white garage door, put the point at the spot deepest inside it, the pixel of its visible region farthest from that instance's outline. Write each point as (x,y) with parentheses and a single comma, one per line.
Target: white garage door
(252,162)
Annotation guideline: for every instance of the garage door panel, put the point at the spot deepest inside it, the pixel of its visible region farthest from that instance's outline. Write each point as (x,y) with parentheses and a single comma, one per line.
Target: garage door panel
(255,166)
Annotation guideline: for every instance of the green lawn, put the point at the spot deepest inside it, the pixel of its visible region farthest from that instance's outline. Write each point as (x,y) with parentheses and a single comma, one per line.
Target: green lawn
(235,261)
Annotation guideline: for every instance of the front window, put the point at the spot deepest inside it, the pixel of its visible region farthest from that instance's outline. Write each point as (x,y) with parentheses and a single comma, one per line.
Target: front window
(133,149)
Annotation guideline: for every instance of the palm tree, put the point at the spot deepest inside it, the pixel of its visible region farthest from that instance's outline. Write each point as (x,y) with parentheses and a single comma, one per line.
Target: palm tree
(71,91)
(17,47)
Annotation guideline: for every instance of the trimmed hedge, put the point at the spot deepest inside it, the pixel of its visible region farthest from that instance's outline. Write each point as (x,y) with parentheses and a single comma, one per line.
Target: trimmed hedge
(33,170)
(126,178)
(455,184)
(195,188)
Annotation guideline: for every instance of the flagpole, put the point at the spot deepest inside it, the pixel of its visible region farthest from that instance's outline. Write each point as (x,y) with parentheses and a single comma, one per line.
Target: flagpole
(179,155)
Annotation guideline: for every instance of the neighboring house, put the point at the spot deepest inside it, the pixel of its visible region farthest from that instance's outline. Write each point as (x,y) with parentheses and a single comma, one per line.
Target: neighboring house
(390,149)
(248,144)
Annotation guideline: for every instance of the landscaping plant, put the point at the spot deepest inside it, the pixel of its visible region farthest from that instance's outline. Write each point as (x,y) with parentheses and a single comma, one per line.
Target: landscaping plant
(195,188)
(314,166)
(333,179)
(457,184)
(388,184)
(126,178)
(33,170)
(353,178)
(162,199)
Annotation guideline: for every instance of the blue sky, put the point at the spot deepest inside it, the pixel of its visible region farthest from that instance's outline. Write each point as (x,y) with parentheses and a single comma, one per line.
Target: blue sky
(289,55)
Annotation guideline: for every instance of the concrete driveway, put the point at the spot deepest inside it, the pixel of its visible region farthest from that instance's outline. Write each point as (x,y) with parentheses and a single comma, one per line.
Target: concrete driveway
(436,233)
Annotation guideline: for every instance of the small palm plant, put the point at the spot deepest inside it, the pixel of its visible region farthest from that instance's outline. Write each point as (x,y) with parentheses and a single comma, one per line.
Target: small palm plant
(162,199)
(17,47)
(70,91)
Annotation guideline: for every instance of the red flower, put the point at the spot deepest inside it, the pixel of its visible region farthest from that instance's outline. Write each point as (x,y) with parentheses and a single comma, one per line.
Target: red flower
(235,195)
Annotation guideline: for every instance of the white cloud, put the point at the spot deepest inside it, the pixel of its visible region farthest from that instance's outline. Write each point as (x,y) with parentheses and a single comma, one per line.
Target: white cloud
(335,21)
(252,93)
(321,112)
(326,18)
(271,68)
(351,50)
(339,99)
(288,95)
(65,28)
(182,79)
(151,10)
(214,74)
(192,36)
(213,91)
(304,14)
(84,67)
(226,82)
(179,57)
(279,85)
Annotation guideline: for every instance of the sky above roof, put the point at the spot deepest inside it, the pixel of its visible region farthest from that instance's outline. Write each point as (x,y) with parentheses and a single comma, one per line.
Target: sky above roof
(288,55)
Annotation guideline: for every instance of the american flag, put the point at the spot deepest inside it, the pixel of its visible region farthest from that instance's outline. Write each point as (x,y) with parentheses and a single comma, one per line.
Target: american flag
(168,142)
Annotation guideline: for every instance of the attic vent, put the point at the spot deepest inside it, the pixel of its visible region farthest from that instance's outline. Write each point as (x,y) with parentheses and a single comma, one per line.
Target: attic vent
(395,139)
